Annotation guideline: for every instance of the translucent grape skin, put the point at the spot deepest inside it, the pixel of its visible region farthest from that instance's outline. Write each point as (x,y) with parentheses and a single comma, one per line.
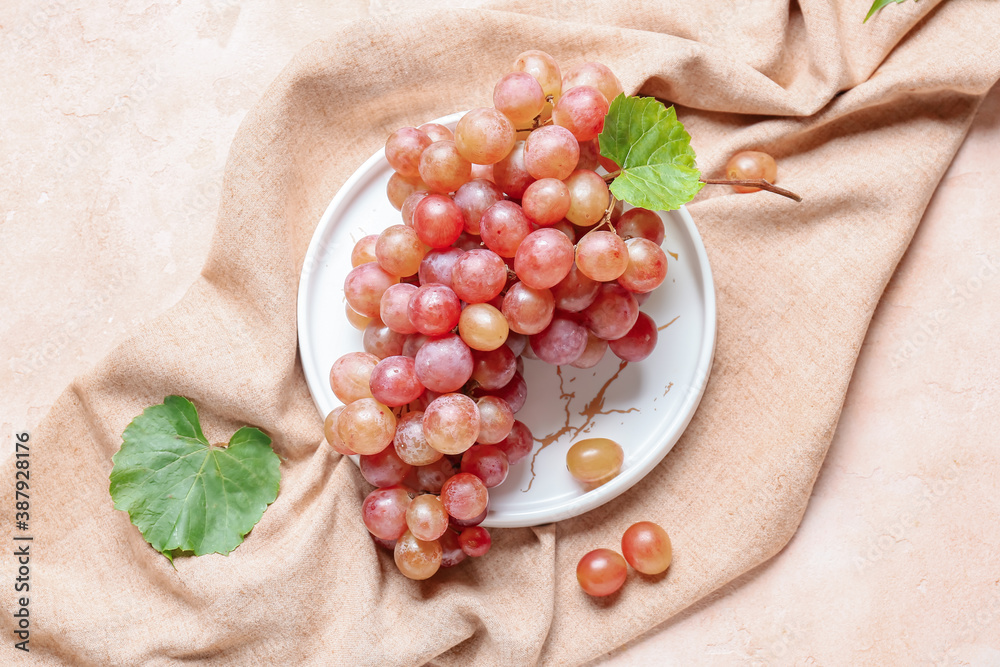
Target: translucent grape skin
(575,292)
(399,188)
(437,132)
(519,96)
(464,496)
(357,320)
(444,364)
(528,310)
(639,342)
(393,308)
(410,204)
(438,221)
(595,461)
(562,342)
(551,152)
(543,68)
(602,256)
(437,266)
(350,374)
(640,223)
(596,75)
(483,172)
(384,512)
(332,436)
(417,559)
(431,477)
(482,327)
(443,168)
(588,196)
(593,353)
(546,201)
(452,553)
(460,524)
(747,165)
(365,285)
(475,541)
(451,423)
(427,518)
(434,309)
(484,136)
(495,421)
(581,111)
(409,441)
(613,312)
(403,150)
(382,341)
(479,276)
(495,368)
(503,227)
(384,469)
(514,392)
(487,462)
(473,198)
(398,250)
(518,443)
(544,258)
(394,381)
(511,174)
(647,266)
(601,572)
(646,547)
(366,426)
(590,152)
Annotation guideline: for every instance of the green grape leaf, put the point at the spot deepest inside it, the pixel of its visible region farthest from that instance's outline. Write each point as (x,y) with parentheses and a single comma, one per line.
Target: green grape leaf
(879,4)
(658,169)
(184,494)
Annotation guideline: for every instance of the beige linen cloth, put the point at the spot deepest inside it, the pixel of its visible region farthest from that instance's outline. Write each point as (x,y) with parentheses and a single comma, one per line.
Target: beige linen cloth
(863,120)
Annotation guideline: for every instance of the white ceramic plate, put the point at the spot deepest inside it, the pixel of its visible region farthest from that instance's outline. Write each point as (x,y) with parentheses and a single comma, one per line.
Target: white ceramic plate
(644,406)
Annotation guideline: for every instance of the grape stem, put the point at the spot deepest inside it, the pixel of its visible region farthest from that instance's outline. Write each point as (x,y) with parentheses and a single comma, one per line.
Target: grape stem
(612,176)
(761,183)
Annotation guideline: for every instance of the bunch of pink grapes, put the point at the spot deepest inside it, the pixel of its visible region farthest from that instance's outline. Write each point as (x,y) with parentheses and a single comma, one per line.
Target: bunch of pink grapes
(510,246)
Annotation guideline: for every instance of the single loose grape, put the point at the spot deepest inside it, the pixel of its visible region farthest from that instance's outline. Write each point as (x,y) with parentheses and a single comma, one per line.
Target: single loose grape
(647,547)
(417,559)
(747,165)
(601,572)
(594,461)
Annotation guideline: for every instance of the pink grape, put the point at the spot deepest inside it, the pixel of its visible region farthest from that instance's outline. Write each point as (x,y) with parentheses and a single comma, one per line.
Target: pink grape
(484,136)
(581,111)
(546,201)
(511,174)
(528,310)
(365,285)
(495,420)
(518,443)
(434,309)
(451,423)
(613,312)
(588,198)
(461,524)
(601,572)
(640,223)
(385,468)
(394,381)
(427,518)
(410,205)
(514,392)
(639,342)
(438,221)
(567,228)
(595,75)
(467,242)
(417,559)
(495,368)
(399,250)
(519,97)
(393,308)
(357,320)
(452,553)
(437,266)
(486,462)
(551,152)
(544,258)
(366,426)
(516,342)
(482,327)
(473,198)
(479,276)
(503,227)
(332,436)
(475,541)
(384,512)
(382,341)
(403,149)
(647,266)
(647,547)
(593,353)
(350,374)
(602,256)
(483,172)
(437,132)
(575,292)
(464,496)
(431,477)
(444,364)
(543,68)
(409,442)
(747,165)
(562,342)
(413,343)
(443,168)
(399,188)
(590,152)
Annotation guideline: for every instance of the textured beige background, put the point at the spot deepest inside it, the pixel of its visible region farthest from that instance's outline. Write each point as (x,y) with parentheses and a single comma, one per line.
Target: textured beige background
(116,126)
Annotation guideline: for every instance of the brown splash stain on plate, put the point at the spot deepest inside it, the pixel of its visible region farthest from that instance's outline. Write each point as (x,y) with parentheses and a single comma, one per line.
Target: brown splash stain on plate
(661,328)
